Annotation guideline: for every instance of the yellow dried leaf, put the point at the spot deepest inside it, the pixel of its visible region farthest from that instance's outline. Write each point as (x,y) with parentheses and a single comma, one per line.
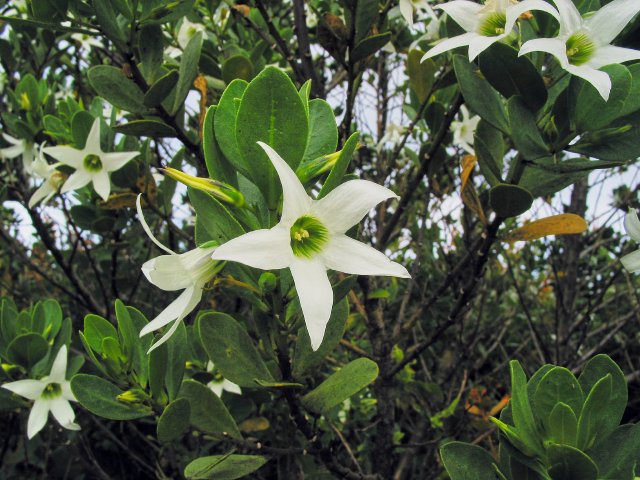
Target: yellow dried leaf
(563,224)
(257,424)
(118,201)
(467,190)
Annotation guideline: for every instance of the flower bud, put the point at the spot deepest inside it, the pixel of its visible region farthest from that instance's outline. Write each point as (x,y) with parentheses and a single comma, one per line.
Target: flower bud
(314,168)
(219,190)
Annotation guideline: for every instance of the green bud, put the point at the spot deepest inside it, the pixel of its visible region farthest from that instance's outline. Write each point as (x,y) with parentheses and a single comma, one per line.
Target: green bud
(267,282)
(219,190)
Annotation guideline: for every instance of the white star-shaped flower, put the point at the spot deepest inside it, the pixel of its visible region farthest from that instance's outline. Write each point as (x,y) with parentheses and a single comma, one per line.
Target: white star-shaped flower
(631,261)
(584,44)
(53,179)
(189,271)
(20,146)
(187,30)
(485,24)
(91,163)
(86,41)
(310,239)
(220,384)
(464,129)
(50,394)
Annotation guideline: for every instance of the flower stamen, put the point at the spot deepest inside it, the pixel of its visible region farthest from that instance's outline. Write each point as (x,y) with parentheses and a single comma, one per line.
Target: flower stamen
(580,48)
(308,236)
(52,390)
(92,163)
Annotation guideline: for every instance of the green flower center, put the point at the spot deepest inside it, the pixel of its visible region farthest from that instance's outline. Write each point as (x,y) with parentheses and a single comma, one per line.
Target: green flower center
(308,236)
(52,390)
(493,25)
(580,48)
(92,163)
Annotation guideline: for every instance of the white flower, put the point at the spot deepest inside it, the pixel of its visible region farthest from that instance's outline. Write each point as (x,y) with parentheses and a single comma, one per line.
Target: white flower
(221,15)
(91,163)
(393,134)
(87,41)
(19,147)
(407,7)
(584,44)
(187,30)
(464,129)
(190,271)
(631,261)
(310,239)
(53,178)
(218,384)
(485,24)
(50,394)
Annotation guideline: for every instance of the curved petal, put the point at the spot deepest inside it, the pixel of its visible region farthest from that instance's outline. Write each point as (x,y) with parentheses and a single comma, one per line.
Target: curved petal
(265,249)
(449,44)
(480,43)
(59,368)
(231,387)
(609,54)
(193,303)
(632,261)
(347,255)
(31,389)
(66,391)
(116,160)
(42,192)
(316,296)
(295,201)
(102,184)
(600,80)
(346,205)
(570,18)
(76,180)
(92,145)
(67,155)
(12,152)
(607,23)
(147,230)
(216,387)
(37,417)
(514,11)
(167,273)
(464,13)
(632,224)
(179,308)
(62,411)
(554,46)
(406,10)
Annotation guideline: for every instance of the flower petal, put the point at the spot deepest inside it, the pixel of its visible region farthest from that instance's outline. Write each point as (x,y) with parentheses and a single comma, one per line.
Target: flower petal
(45,190)
(116,160)
(216,387)
(147,230)
(66,391)
(449,44)
(570,18)
(554,46)
(177,309)
(37,417)
(632,224)
(31,389)
(600,80)
(167,273)
(632,261)
(295,201)
(480,43)
(345,206)
(464,13)
(265,249)
(67,155)
(102,184)
(231,387)
(92,145)
(77,180)
(315,294)
(59,368)
(406,10)
(607,23)
(347,255)
(193,303)
(514,11)
(62,411)
(609,54)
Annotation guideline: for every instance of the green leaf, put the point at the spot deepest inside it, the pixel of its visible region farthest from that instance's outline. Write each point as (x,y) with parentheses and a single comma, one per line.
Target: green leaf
(146,128)
(594,371)
(558,385)
(632,102)
(27,349)
(421,74)
(490,150)
(368,46)
(617,456)
(237,66)
(100,397)
(218,167)
(161,89)
(49,10)
(323,132)
(339,169)
(479,95)
(223,467)
(593,415)
(512,75)
(509,200)
(158,360)
(176,357)
(96,329)
(568,463)
(591,111)
(174,420)
(231,350)
(520,407)
(305,357)
(271,111)
(620,142)
(208,413)
(366,13)
(214,217)
(108,22)
(563,425)
(464,461)
(111,84)
(225,125)
(188,71)
(344,383)
(524,131)
(151,46)
(81,124)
